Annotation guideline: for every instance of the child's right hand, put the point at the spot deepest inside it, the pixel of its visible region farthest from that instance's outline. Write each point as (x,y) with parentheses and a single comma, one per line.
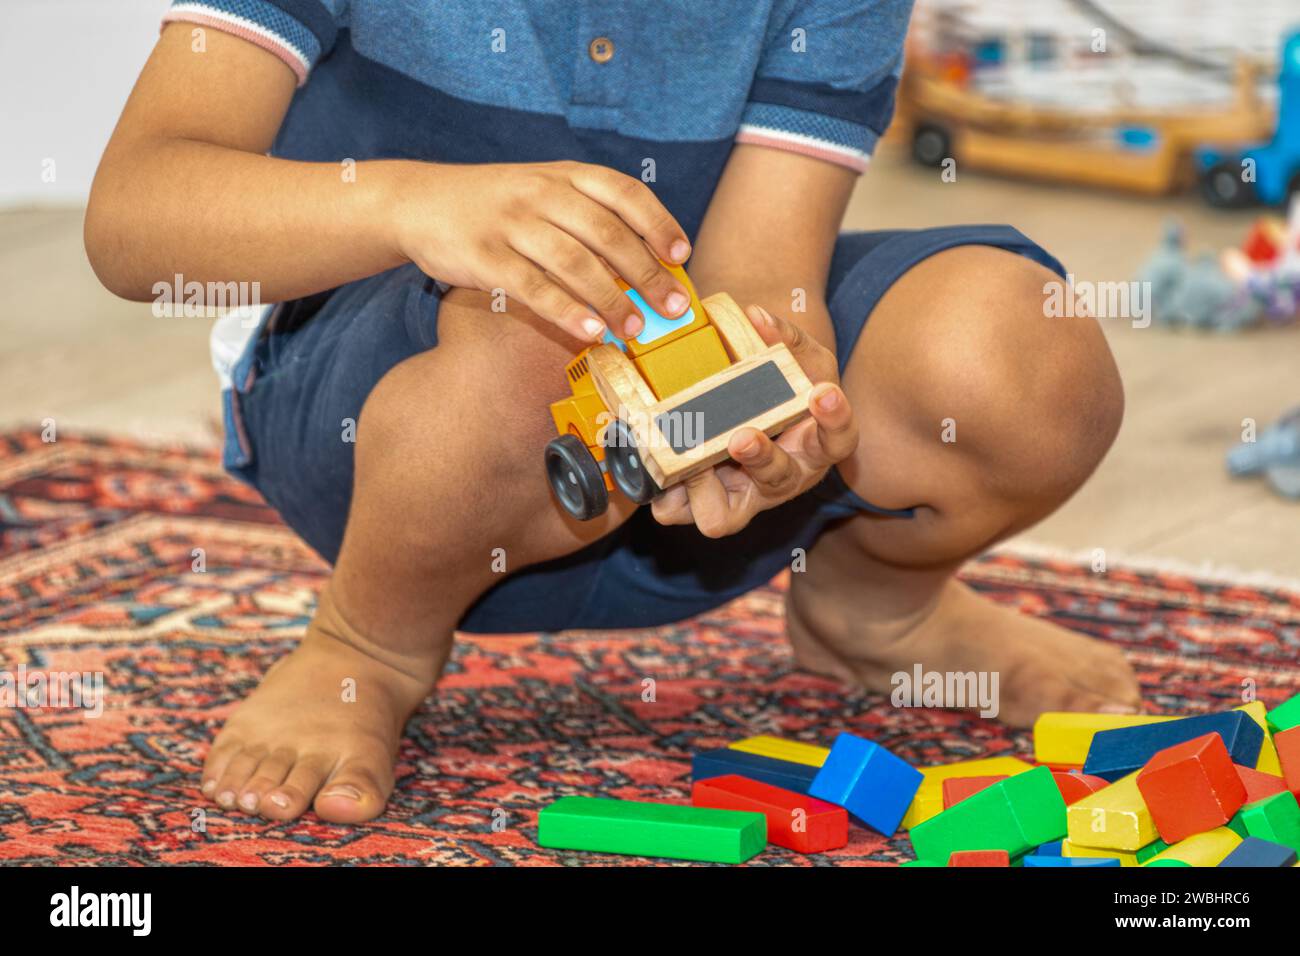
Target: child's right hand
(539,231)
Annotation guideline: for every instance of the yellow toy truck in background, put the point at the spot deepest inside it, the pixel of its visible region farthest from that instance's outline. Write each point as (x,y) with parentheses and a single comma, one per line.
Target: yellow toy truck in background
(649,412)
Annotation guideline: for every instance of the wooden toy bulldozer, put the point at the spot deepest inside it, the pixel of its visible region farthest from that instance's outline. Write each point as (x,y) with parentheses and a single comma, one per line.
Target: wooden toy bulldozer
(648,413)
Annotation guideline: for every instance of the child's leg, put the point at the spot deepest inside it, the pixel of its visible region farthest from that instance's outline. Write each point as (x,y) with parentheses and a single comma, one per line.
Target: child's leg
(448,468)
(1036,402)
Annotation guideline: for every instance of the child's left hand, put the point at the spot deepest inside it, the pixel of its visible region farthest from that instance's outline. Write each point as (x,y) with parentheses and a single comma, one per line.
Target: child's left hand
(765,473)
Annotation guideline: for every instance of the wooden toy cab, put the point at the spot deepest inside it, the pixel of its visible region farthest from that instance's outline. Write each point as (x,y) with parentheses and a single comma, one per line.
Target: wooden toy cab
(648,413)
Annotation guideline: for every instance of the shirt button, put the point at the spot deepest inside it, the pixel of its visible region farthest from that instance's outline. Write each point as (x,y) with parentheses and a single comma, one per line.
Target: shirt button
(601,49)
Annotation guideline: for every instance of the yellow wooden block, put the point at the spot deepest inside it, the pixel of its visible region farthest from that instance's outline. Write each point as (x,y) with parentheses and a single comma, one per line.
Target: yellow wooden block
(681,363)
(1267,762)
(928,801)
(1064,738)
(792,750)
(1125,857)
(1203,849)
(1112,818)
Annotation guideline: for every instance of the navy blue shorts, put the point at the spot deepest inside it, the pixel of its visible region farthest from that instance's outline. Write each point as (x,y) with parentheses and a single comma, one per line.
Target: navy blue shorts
(295,386)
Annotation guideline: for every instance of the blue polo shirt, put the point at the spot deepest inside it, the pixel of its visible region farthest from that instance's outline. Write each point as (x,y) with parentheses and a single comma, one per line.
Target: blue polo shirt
(658,89)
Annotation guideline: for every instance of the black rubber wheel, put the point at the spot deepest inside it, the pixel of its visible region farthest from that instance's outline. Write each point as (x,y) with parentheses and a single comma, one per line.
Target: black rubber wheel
(623,459)
(1292,194)
(575,478)
(931,144)
(1222,186)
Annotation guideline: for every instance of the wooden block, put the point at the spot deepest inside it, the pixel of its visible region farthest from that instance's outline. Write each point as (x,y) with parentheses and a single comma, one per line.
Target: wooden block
(1259,785)
(794,751)
(737,332)
(1063,738)
(651,829)
(795,821)
(1252,851)
(928,801)
(797,777)
(1285,715)
(1113,818)
(1075,786)
(1202,849)
(867,780)
(1075,851)
(681,363)
(1015,815)
(1117,753)
(921,863)
(957,789)
(1191,787)
(974,858)
(1152,849)
(1275,818)
(1267,762)
(1161,861)
(1288,752)
(688,432)
(1054,848)
(1041,862)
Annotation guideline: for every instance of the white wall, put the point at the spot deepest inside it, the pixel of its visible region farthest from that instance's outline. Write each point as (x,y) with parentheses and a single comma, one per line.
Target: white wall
(66,67)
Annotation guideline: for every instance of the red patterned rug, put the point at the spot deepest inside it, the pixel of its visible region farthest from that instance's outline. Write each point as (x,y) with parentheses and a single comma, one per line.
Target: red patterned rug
(97,550)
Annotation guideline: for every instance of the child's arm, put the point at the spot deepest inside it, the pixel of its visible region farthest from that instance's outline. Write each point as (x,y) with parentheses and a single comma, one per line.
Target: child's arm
(767,239)
(185,187)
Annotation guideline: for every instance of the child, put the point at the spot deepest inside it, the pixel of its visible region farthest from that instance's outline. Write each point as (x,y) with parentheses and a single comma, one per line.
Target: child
(392,173)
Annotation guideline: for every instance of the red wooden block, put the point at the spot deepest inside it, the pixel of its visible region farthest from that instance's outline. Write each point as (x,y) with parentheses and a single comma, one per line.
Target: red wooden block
(794,820)
(1076,786)
(1062,767)
(1191,787)
(980,858)
(1288,752)
(957,789)
(1259,784)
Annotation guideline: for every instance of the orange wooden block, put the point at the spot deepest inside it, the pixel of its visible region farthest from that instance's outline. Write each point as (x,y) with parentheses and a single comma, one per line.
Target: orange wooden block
(1288,753)
(1191,788)
(1258,784)
(957,789)
(1076,786)
(980,857)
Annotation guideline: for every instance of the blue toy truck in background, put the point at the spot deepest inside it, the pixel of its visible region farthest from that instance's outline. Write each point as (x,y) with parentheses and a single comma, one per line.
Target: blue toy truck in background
(1276,164)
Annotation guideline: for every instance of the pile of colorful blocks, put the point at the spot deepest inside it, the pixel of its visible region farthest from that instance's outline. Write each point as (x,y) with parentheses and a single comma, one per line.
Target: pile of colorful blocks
(1105,790)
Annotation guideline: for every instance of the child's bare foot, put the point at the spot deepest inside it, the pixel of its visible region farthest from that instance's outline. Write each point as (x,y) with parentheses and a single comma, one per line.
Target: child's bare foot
(836,628)
(321,730)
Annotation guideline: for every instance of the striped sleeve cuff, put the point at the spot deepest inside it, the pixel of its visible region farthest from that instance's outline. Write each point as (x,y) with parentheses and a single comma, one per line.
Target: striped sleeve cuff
(839,126)
(297,31)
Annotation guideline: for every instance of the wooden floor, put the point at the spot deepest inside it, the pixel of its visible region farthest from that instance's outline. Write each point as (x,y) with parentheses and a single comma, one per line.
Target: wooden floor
(74,353)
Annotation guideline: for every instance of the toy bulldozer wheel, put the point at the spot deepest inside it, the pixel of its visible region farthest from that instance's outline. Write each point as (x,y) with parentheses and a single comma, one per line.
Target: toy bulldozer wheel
(623,459)
(575,477)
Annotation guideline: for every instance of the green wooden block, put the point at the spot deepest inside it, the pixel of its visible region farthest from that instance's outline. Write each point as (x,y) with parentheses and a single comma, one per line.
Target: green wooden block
(1015,814)
(651,829)
(1151,849)
(1285,715)
(921,863)
(1167,862)
(1275,818)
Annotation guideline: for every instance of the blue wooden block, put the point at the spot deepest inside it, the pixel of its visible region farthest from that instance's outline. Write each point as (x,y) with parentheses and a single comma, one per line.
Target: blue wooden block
(779,773)
(1048,849)
(1252,851)
(1041,861)
(868,781)
(1117,753)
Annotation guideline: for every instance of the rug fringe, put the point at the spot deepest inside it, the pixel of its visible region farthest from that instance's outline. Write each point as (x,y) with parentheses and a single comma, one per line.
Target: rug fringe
(1205,571)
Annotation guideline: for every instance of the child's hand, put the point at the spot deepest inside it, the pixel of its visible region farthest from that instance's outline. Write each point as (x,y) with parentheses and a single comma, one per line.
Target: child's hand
(766,473)
(539,232)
